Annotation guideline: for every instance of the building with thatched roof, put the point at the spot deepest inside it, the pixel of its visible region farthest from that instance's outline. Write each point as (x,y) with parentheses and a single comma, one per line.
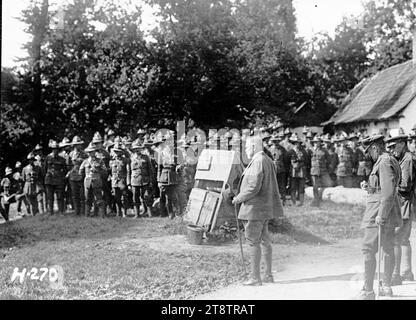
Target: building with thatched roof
(383,102)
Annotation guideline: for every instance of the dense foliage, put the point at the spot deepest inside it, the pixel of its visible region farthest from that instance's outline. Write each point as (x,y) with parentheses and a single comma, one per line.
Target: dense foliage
(215,62)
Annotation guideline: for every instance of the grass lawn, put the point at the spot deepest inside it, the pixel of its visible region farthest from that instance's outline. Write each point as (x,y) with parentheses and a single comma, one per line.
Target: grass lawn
(149,258)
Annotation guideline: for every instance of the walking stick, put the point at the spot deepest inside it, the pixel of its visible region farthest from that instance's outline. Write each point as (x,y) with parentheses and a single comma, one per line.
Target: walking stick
(379,262)
(239,239)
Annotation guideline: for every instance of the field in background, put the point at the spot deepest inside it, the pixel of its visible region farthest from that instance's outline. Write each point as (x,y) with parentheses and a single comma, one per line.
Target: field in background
(148,258)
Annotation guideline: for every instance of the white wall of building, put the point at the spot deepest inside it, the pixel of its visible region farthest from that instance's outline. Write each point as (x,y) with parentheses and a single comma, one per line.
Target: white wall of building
(408,116)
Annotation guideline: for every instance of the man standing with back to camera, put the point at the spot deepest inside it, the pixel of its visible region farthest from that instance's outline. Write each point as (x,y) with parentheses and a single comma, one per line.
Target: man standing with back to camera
(259,201)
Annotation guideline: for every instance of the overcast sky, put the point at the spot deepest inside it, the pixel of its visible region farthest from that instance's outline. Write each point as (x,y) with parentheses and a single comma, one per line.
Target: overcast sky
(312,16)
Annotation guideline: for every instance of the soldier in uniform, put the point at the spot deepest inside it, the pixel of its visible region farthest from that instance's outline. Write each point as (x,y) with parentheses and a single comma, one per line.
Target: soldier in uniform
(102,154)
(358,155)
(17,176)
(281,161)
(39,161)
(167,178)
(382,209)
(95,173)
(365,164)
(328,145)
(345,163)
(320,168)
(397,143)
(9,194)
(119,167)
(65,146)
(139,179)
(297,171)
(309,150)
(76,181)
(55,169)
(32,178)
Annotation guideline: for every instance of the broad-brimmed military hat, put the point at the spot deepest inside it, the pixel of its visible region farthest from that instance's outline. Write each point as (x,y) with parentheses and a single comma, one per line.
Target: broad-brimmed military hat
(8,171)
(141,132)
(19,164)
(54,145)
(91,148)
(316,139)
(287,132)
(310,135)
(395,136)
(294,138)
(38,147)
(342,137)
(110,133)
(30,156)
(136,146)
(76,141)
(368,142)
(97,138)
(326,138)
(64,143)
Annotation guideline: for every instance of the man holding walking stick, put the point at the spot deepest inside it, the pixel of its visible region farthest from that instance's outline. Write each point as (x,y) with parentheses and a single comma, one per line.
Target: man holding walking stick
(258,195)
(381,216)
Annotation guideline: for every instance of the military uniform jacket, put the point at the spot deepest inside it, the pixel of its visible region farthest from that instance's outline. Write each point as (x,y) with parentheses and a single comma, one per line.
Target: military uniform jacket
(119,169)
(407,185)
(32,178)
(333,160)
(75,160)
(320,163)
(55,170)
(280,158)
(382,197)
(365,164)
(167,168)
(142,171)
(95,171)
(297,163)
(104,156)
(346,162)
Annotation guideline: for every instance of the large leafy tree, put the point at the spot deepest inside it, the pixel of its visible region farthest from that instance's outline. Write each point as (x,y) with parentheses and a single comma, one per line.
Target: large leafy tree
(196,73)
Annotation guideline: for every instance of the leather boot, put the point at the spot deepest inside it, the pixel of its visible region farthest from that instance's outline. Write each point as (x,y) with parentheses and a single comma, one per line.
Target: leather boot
(369,273)
(407,274)
(366,295)
(255,259)
(388,269)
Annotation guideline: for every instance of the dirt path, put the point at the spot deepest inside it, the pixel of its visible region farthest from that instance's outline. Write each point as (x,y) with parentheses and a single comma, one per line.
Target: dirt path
(330,272)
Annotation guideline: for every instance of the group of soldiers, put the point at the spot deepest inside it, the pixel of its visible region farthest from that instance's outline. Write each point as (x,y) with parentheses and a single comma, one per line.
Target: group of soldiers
(320,161)
(110,176)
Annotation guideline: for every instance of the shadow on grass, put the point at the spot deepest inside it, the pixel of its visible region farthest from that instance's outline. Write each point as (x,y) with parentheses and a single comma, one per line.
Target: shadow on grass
(31,230)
